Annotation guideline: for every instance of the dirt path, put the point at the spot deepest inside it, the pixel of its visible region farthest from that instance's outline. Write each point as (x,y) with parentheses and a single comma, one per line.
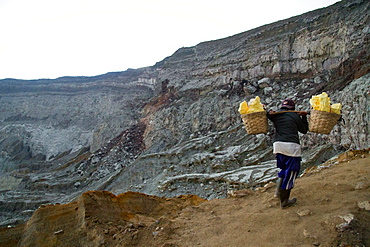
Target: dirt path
(325,200)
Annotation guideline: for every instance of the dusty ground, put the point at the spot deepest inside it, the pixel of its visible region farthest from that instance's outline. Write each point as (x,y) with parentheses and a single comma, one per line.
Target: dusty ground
(257,220)
(332,210)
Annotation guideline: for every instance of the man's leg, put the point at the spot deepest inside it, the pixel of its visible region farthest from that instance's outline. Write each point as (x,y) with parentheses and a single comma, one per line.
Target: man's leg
(278,186)
(284,198)
(290,168)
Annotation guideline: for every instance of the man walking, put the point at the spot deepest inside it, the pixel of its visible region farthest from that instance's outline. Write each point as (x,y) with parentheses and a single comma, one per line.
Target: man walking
(287,148)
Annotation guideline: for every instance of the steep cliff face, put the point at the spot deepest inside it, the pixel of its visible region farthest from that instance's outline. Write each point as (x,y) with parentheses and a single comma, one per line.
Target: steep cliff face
(321,50)
(48,117)
(45,124)
(173,128)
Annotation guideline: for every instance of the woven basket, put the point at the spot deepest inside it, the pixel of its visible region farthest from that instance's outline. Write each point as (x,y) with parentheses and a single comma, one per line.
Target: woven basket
(255,123)
(322,122)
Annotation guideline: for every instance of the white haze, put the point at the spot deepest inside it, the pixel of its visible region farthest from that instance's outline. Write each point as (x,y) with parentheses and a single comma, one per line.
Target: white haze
(54,38)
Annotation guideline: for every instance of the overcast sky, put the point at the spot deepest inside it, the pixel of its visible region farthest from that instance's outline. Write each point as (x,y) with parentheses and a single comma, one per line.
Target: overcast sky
(54,38)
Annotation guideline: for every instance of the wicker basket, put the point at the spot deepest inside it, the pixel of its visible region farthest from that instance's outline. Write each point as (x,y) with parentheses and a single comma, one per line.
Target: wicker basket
(255,123)
(322,122)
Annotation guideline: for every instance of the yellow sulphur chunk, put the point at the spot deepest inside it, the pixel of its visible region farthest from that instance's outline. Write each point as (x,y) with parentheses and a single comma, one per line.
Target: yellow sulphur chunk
(320,102)
(255,105)
(336,108)
(243,108)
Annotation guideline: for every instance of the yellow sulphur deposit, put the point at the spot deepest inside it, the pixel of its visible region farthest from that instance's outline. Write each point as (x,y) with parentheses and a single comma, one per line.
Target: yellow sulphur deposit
(254,105)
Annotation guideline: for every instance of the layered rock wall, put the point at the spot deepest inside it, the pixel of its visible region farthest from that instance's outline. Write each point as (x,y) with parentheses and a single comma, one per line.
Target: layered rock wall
(300,56)
(46,119)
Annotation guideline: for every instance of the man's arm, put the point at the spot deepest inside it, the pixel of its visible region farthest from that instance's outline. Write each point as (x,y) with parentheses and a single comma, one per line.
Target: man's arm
(303,124)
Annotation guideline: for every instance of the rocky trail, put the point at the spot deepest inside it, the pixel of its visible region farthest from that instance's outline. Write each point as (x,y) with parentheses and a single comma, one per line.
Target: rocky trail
(333,209)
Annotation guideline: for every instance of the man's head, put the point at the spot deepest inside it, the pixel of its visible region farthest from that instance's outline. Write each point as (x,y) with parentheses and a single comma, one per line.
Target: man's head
(288,104)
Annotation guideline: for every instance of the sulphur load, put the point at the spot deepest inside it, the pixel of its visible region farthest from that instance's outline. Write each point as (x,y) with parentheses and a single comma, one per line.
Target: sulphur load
(254,116)
(243,108)
(322,102)
(253,105)
(324,115)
